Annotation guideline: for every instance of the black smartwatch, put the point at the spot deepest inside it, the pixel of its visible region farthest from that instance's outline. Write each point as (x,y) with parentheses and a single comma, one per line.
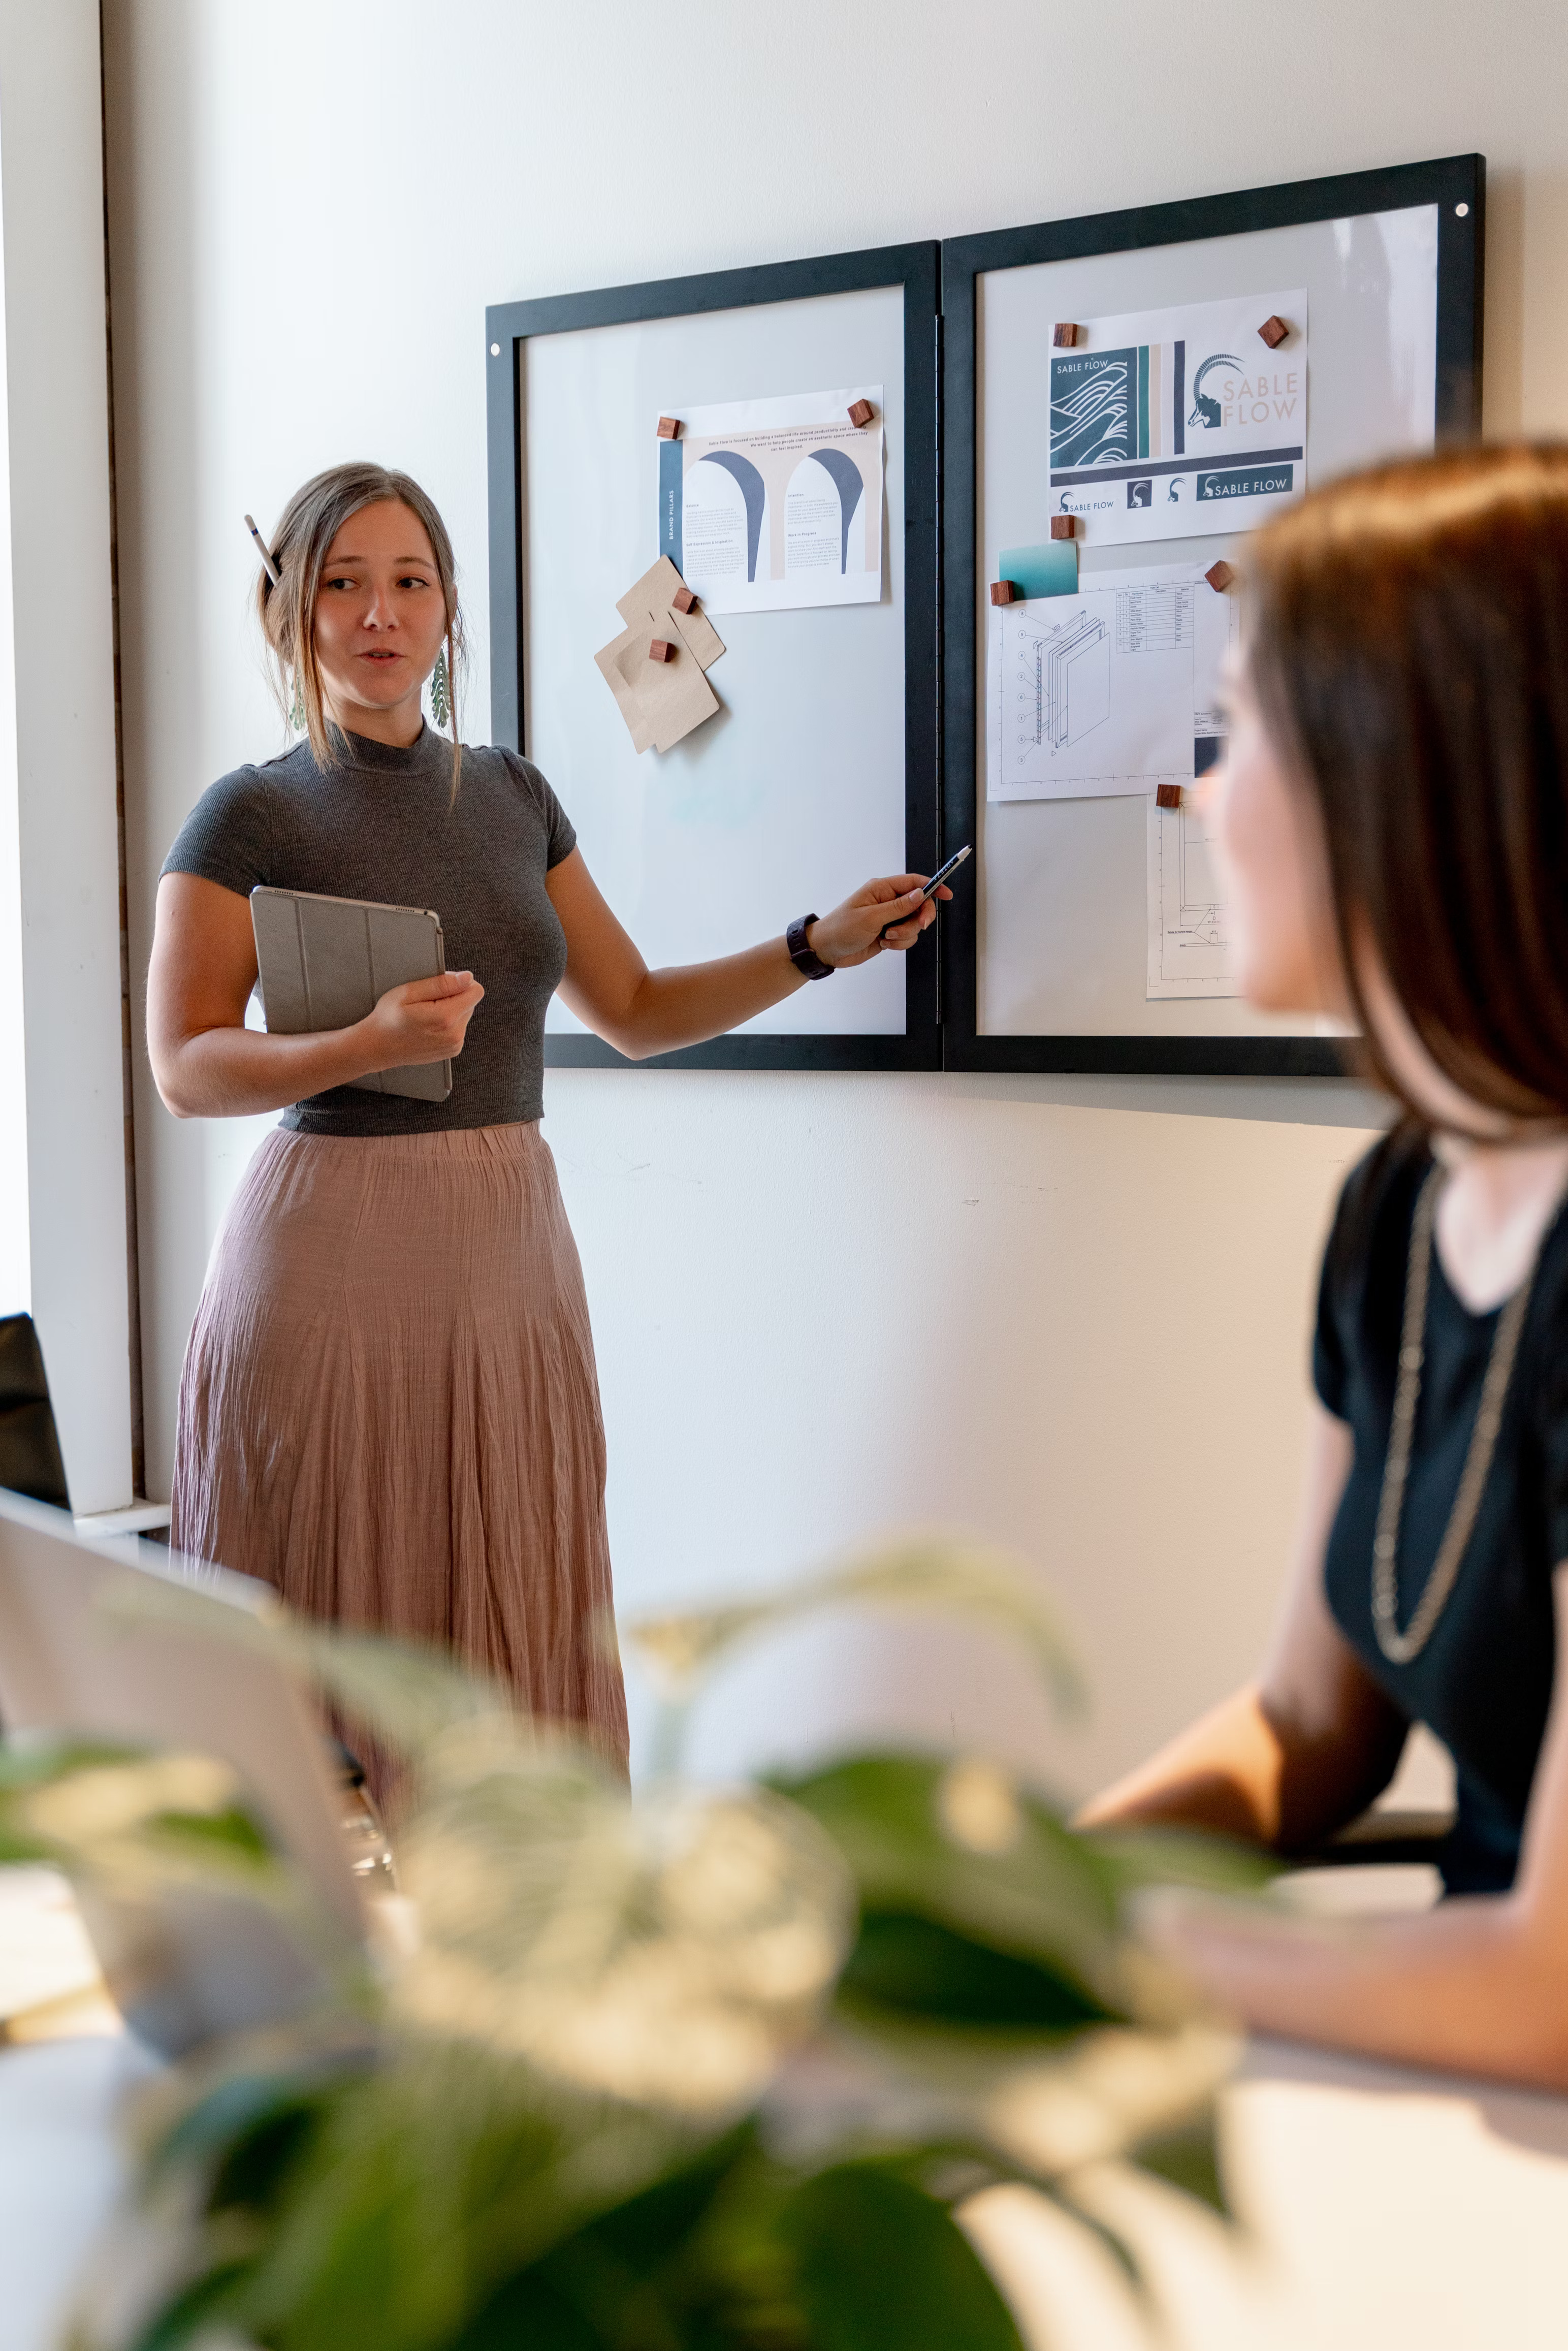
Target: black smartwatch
(801,954)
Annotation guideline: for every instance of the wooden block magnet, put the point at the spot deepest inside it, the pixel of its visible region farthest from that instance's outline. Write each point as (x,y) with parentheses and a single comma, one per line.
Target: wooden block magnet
(1064,336)
(1167,795)
(861,413)
(1006,592)
(661,649)
(669,428)
(683,600)
(1061,527)
(1219,575)
(1273,331)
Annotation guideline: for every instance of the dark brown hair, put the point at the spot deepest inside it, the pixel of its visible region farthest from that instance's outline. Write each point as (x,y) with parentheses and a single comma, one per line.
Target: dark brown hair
(306,530)
(1408,644)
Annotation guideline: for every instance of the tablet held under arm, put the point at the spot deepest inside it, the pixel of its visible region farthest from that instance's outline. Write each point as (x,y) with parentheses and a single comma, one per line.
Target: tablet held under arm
(324,962)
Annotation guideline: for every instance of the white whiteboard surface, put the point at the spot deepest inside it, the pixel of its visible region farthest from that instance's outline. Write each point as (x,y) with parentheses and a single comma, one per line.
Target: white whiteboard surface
(1061,885)
(794,792)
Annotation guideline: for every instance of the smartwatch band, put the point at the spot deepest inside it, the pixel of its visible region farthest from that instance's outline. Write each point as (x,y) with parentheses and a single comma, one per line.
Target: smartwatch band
(801,954)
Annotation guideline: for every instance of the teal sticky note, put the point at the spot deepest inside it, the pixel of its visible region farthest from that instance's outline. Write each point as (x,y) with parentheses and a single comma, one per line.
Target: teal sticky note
(1048,570)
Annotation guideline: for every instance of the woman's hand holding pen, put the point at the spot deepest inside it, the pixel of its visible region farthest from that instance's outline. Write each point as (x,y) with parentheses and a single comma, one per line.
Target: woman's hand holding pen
(642,1012)
(894,906)
(424,1020)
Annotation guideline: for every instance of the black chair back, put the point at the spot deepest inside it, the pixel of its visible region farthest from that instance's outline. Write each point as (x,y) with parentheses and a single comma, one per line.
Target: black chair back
(30,1460)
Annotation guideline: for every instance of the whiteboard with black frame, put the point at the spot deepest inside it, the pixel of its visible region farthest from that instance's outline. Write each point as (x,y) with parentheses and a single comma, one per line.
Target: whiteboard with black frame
(1048,960)
(819,768)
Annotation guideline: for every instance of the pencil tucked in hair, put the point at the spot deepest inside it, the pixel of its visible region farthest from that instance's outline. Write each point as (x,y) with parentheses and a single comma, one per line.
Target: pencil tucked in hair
(1408,644)
(306,530)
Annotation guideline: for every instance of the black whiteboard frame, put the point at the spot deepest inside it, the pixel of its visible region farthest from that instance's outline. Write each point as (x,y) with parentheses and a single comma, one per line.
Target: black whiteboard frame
(1461,245)
(509,327)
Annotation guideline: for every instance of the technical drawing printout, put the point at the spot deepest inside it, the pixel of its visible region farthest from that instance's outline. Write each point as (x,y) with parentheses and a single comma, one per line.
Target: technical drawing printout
(767,505)
(1165,423)
(1189,946)
(1108,693)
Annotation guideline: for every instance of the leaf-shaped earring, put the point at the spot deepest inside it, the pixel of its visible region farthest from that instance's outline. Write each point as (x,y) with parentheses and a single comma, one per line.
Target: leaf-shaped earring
(440,690)
(296,707)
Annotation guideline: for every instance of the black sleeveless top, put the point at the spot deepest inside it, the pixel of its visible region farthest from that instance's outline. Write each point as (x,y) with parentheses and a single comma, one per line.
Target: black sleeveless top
(1483,1682)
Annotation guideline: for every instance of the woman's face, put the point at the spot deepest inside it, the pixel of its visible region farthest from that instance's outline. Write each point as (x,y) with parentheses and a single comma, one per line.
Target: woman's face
(1273,866)
(380,613)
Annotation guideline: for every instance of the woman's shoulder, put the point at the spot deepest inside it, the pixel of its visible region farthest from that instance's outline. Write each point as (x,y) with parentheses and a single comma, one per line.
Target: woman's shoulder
(228,836)
(1378,1193)
(508,770)
(500,761)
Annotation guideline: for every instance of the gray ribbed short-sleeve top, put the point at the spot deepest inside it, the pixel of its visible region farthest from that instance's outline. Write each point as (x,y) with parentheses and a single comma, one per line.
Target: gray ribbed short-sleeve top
(383,825)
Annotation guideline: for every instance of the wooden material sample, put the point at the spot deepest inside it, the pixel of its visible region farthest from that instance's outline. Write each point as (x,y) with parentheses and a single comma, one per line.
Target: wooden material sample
(1061,527)
(669,428)
(1274,331)
(660,700)
(1219,575)
(1064,336)
(861,413)
(655,598)
(1006,592)
(1167,795)
(655,667)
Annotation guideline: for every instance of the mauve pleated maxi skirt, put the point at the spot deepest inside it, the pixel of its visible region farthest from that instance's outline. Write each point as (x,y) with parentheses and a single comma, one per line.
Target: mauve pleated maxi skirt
(390,1412)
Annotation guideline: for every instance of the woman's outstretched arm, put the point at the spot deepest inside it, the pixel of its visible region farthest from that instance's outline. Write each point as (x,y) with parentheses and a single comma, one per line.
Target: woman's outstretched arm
(1302,1750)
(639,1011)
(1474,1987)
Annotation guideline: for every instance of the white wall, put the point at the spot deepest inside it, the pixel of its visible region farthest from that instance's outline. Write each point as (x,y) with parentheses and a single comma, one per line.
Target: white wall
(16,1267)
(1070,1315)
(58,759)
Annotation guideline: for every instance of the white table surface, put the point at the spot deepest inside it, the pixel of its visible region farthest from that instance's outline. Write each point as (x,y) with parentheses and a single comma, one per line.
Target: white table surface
(60,2173)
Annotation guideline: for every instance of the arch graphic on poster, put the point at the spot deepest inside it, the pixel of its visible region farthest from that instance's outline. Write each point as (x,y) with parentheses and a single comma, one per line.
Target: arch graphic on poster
(752,489)
(850,483)
(792,516)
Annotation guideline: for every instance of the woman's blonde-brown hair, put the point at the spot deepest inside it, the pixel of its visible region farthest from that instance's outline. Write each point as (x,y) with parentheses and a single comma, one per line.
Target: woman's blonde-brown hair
(306,530)
(1408,644)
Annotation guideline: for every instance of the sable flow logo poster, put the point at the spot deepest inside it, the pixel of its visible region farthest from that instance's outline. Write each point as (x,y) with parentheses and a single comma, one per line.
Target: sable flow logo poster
(1165,423)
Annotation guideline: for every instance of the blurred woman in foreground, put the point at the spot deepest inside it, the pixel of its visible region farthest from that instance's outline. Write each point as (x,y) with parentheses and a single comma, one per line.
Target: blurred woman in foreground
(1392,816)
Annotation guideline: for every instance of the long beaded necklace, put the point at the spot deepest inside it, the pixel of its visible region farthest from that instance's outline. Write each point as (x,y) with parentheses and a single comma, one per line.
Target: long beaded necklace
(1397,1647)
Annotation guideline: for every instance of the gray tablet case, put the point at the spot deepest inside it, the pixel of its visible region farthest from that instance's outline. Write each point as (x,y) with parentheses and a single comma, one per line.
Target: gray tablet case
(323,961)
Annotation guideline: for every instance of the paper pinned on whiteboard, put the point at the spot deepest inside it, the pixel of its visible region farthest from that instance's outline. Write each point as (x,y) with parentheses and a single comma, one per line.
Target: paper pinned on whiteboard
(1188,934)
(770,505)
(652,597)
(661,701)
(1109,693)
(1168,424)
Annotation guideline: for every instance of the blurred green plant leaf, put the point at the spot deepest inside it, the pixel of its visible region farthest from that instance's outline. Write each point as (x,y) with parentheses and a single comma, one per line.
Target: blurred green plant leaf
(920,1968)
(881,2263)
(407,1697)
(1188,2159)
(641,2272)
(137,1818)
(1004,1873)
(680,1648)
(430,2183)
(195,2311)
(1137,1857)
(703,2072)
(665,1951)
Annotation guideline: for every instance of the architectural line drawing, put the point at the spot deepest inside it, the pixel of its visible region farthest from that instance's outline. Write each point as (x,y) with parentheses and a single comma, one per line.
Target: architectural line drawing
(1094,694)
(1189,943)
(1072,682)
